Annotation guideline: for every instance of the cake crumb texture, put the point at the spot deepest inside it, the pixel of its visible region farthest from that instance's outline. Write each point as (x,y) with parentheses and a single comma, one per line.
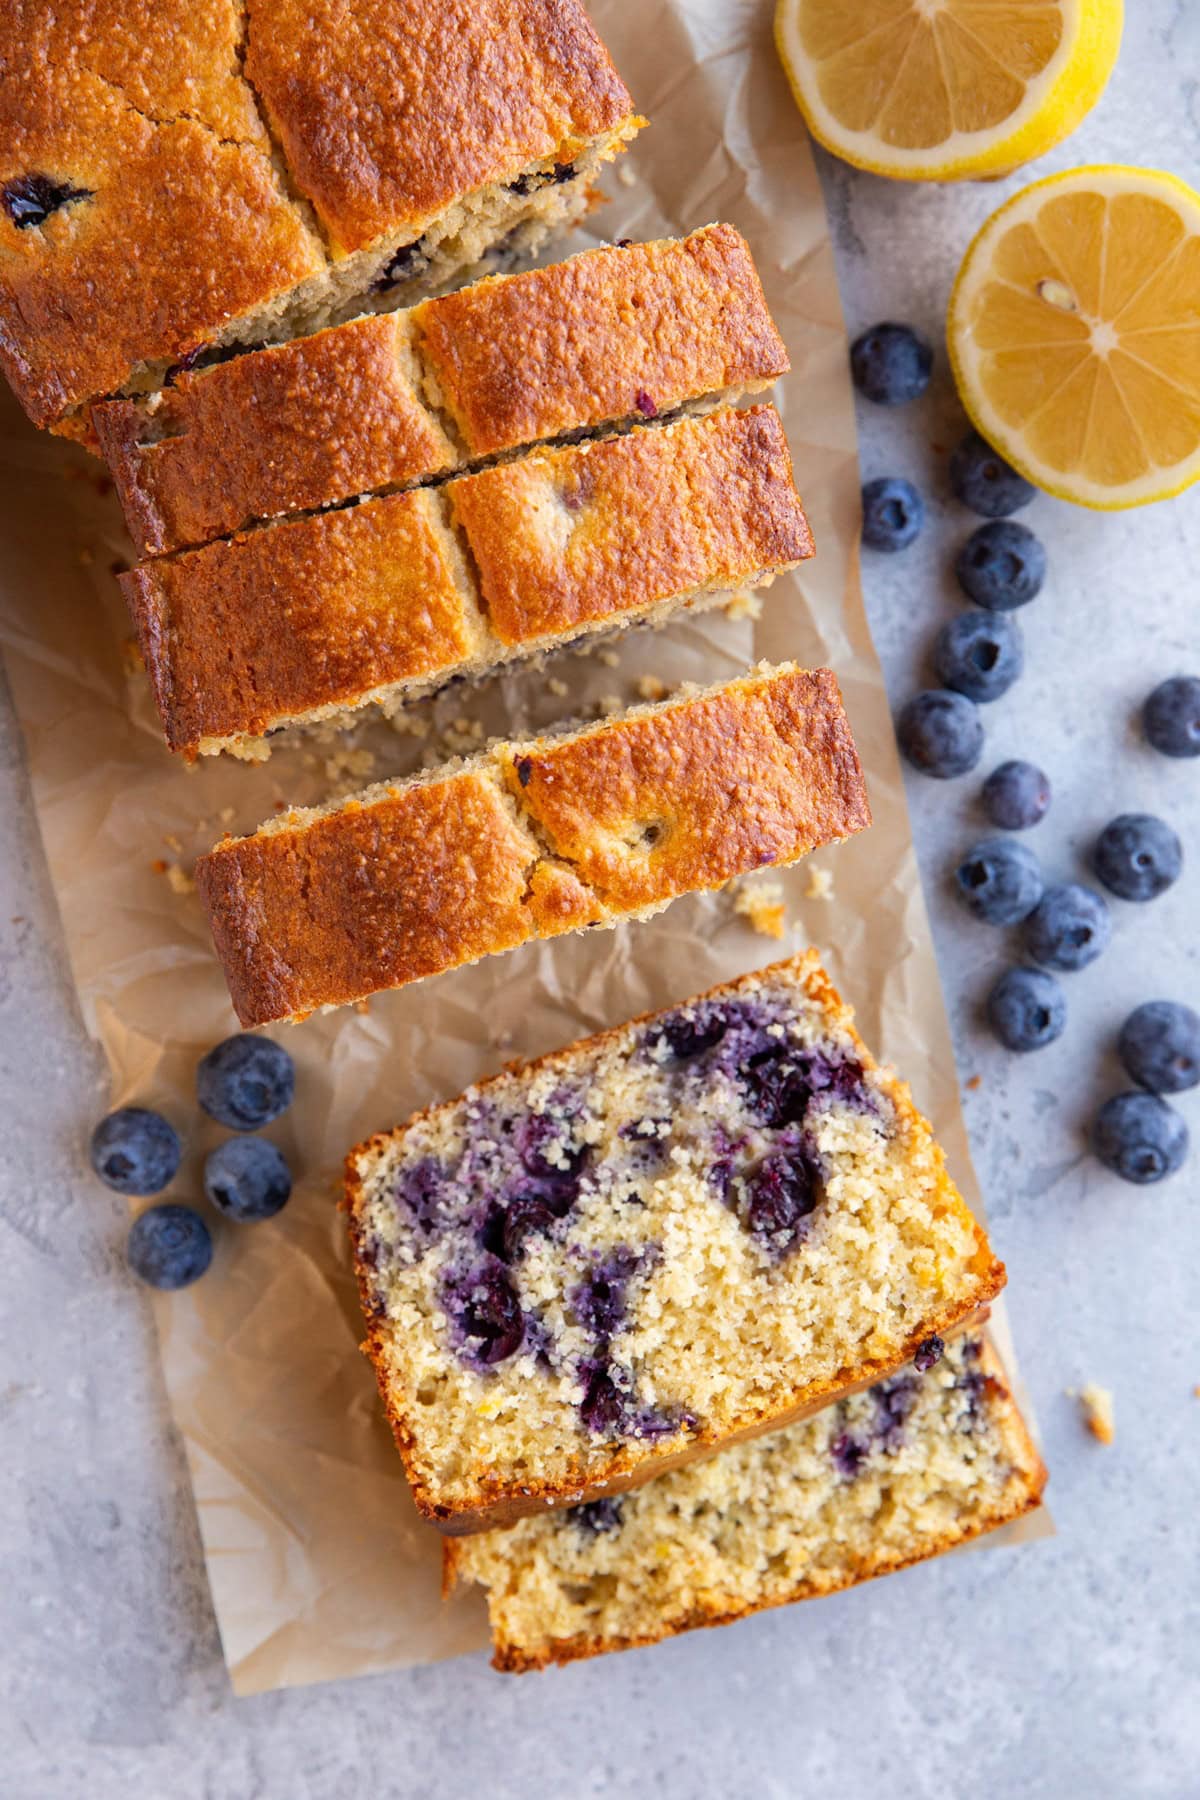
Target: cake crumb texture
(1099,1414)
(761,903)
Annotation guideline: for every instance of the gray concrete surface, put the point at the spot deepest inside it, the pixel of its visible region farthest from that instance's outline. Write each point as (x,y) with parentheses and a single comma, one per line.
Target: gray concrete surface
(1069,1669)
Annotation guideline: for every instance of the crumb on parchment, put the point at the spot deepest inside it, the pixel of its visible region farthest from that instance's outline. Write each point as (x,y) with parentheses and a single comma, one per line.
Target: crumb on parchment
(356,763)
(820,883)
(652,687)
(743,605)
(1098,1412)
(556,686)
(762,904)
(608,704)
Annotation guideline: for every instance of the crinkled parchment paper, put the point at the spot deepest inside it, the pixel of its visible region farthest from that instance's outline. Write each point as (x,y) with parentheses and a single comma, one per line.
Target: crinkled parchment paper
(319,1565)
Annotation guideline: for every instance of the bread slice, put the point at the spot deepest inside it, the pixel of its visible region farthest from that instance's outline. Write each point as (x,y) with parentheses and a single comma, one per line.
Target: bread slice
(323,906)
(175,178)
(384,602)
(688,1230)
(913,1467)
(610,337)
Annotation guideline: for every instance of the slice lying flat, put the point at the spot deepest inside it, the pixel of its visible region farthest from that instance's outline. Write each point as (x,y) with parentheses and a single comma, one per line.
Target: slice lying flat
(942,90)
(1074,332)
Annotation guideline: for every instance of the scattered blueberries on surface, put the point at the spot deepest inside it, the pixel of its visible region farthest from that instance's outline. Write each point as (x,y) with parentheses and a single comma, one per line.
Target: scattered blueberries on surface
(1160,1046)
(893,513)
(983,480)
(247,1179)
(1171,716)
(1137,856)
(1027,1009)
(1001,566)
(979,654)
(999,881)
(1068,928)
(891,364)
(246,1081)
(169,1246)
(1016,796)
(1139,1137)
(940,733)
(135,1150)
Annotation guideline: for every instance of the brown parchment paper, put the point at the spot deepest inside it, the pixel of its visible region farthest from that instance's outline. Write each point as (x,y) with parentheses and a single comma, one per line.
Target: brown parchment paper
(319,1565)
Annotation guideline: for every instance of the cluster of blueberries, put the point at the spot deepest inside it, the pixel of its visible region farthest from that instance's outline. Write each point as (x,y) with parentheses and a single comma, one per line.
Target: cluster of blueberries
(243,1083)
(977,657)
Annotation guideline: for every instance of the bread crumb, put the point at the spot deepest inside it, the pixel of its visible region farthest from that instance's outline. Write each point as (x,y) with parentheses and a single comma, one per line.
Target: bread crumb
(820,883)
(405,725)
(556,687)
(761,902)
(626,176)
(226,815)
(158,866)
(743,605)
(251,750)
(609,658)
(1098,1415)
(356,763)
(172,842)
(178,880)
(86,557)
(131,657)
(974,1082)
(608,704)
(650,687)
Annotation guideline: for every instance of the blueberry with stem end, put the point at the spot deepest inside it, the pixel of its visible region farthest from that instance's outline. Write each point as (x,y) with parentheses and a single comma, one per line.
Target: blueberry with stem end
(999,881)
(1140,1138)
(1069,927)
(893,514)
(247,1179)
(1137,856)
(1001,566)
(1160,1046)
(169,1246)
(135,1151)
(940,733)
(891,364)
(246,1081)
(982,480)
(1027,1010)
(1171,716)
(1016,796)
(979,654)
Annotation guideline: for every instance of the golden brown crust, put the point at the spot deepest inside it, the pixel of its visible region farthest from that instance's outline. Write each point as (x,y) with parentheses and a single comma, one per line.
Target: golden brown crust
(385,118)
(404,882)
(631,1465)
(604,336)
(281,430)
(242,635)
(324,612)
(586,532)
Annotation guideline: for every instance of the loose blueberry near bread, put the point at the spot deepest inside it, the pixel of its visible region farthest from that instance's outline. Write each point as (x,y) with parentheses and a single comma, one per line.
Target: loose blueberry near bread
(907,1470)
(323,906)
(386,602)
(688,1230)
(176,179)
(610,337)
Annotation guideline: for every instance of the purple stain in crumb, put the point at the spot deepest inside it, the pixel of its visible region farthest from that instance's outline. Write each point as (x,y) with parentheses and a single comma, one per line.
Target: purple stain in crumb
(596,1516)
(848,1455)
(524,770)
(929,1354)
(486,1312)
(507,1225)
(604,1406)
(599,1300)
(420,1190)
(894,1401)
(538,1136)
(687,1035)
(784,1080)
(778,1198)
(645,404)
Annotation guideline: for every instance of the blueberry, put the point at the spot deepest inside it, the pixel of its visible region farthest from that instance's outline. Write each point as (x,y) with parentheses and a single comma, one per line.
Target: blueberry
(596,1516)
(599,1301)
(1171,716)
(605,1406)
(983,480)
(507,1227)
(484,1306)
(246,1082)
(686,1036)
(999,881)
(979,654)
(891,364)
(169,1246)
(1001,566)
(893,514)
(1068,928)
(929,1354)
(1137,856)
(247,1179)
(30,199)
(940,733)
(1139,1137)
(135,1151)
(1027,1009)
(848,1455)
(1160,1046)
(780,1195)
(1016,795)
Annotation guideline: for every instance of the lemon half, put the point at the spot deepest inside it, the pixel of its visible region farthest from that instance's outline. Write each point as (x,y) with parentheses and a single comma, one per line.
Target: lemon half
(943,90)
(1074,334)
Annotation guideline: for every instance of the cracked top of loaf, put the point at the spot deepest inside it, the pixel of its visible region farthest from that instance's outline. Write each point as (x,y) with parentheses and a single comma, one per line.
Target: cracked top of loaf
(170,169)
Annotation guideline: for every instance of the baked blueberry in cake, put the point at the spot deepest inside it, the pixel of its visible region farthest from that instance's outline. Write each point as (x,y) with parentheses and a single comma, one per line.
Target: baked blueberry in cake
(691,1228)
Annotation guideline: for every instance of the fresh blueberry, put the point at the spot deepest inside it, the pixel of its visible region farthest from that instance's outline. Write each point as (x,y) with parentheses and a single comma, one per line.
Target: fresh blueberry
(1016,795)
(247,1179)
(893,513)
(1139,1137)
(1171,716)
(979,654)
(135,1150)
(1027,1009)
(891,364)
(999,881)
(246,1082)
(983,480)
(940,733)
(1160,1046)
(1001,566)
(1068,928)
(169,1246)
(1137,856)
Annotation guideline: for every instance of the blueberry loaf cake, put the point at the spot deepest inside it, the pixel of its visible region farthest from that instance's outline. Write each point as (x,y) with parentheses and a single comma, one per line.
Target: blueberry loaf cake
(611,337)
(384,602)
(694,1228)
(914,1466)
(326,905)
(179,178)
